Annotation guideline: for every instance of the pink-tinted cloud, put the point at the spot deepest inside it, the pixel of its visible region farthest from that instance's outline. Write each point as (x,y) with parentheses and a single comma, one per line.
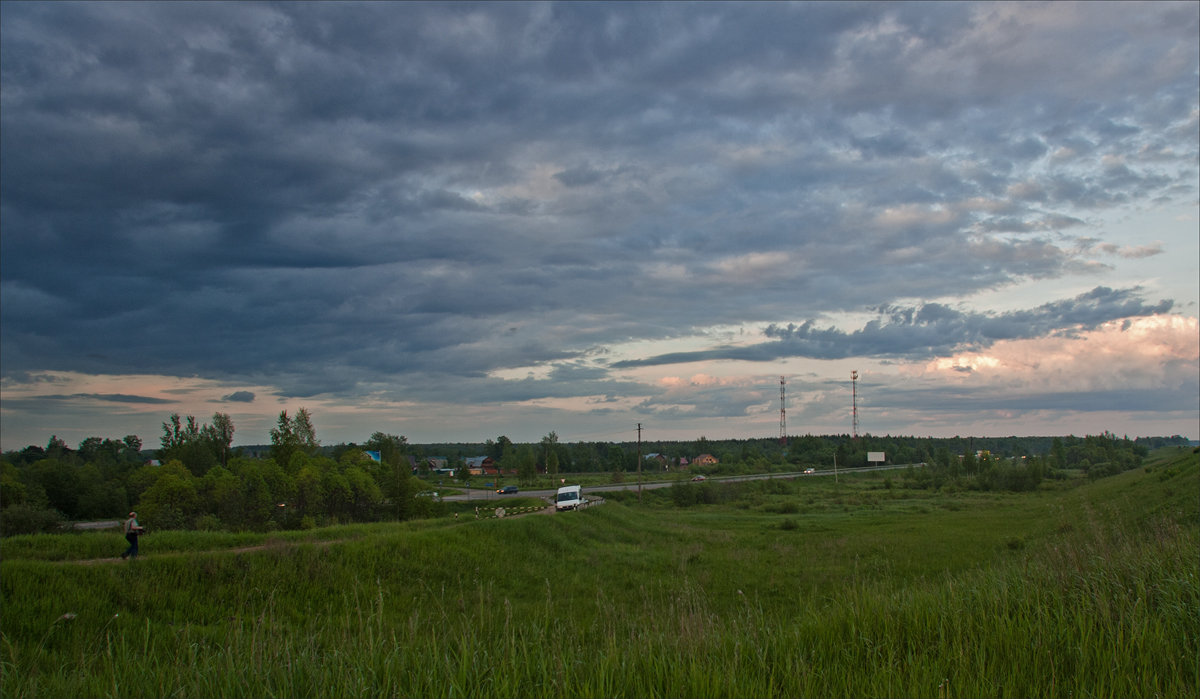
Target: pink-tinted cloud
(1128,353)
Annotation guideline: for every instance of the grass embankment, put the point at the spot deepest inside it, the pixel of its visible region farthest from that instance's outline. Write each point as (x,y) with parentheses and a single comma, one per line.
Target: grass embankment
(800,589)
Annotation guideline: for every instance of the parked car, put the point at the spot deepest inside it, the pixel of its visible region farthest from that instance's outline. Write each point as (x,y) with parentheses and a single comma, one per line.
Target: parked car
(699,478)
(507,490)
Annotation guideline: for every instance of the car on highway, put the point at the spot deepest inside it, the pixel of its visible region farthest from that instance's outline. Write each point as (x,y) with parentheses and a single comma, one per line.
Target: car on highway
(807,471)
(699,478)
(507,490)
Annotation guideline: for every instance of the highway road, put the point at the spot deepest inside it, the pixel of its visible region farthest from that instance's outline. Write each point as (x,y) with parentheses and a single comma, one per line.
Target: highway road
(489,494)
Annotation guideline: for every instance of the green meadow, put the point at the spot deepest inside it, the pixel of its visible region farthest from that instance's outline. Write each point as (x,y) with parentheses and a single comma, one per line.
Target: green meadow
(777,588)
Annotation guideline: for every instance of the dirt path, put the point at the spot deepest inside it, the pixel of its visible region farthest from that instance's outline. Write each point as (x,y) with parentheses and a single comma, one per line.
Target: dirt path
(277,544)
(280,543)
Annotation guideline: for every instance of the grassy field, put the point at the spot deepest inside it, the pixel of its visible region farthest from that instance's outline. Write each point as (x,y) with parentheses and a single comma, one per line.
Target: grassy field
(780,588)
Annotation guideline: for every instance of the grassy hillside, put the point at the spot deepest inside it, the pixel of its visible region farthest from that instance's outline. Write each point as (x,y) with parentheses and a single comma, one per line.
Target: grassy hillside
(800,588)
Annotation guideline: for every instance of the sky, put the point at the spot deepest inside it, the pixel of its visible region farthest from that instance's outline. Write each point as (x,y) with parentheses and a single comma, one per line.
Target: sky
(455,221)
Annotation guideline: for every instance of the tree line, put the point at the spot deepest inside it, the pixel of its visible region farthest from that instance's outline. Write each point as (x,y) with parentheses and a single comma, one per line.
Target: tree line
(198,479)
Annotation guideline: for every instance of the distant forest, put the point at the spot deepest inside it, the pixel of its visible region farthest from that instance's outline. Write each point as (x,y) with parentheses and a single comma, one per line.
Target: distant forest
(196,479)
(799,451)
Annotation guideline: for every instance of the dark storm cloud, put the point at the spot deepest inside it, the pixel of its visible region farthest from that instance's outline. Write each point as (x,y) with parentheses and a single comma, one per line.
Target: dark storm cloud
(929,330)
(110,398)
(335,195)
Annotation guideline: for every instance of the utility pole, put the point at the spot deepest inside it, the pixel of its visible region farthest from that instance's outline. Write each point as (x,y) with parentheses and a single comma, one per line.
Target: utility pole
(639,462)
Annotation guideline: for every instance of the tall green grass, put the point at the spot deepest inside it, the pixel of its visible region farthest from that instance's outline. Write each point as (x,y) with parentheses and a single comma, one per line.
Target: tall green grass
(1091,591)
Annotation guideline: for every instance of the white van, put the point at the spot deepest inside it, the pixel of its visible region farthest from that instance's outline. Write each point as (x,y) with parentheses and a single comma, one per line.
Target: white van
(569,497)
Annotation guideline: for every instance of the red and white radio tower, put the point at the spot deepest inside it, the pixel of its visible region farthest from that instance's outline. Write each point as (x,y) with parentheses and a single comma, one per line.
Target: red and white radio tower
(854,404)
(782,415)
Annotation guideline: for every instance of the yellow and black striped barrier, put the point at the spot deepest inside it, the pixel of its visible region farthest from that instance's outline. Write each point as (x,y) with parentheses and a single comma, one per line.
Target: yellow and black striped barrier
(501,512)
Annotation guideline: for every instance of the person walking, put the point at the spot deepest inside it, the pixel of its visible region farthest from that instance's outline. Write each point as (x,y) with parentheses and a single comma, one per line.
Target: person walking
(132,531)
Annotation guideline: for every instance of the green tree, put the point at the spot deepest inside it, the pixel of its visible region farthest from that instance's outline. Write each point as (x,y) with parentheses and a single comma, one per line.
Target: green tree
(969,464)
(617,458)
(499,448)
(291,435)
(12,490)
(99,497)
(220,433)
(176,435)
(90,449)
(223,495)
(1058,454)
(393,473)
(196,446)
(338,494)
(306,434)
(56,448)
(139,480)
(526,461)
(310,492)
(59,480)
(173,501)
(283,439)
(845,455)
(281,483)
(391,448)
(133,443)
(365,493)
(258,505)
(550,453)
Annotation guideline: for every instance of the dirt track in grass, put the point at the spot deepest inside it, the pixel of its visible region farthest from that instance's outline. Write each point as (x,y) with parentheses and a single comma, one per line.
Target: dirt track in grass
(272,544)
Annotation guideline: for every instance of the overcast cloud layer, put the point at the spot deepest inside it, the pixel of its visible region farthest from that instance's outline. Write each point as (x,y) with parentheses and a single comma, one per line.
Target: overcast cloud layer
(454,221)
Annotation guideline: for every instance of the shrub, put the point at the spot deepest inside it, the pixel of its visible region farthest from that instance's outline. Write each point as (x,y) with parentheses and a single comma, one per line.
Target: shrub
(164,517)
(209,522)
(683,495)
(790,507)
(23,518)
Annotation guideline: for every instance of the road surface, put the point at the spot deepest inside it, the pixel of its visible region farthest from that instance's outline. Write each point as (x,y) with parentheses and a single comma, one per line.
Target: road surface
(490,495)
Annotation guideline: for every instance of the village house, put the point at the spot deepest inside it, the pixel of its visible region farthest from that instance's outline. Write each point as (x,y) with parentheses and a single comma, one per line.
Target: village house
(439,464)
(660,459)
(481,465)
